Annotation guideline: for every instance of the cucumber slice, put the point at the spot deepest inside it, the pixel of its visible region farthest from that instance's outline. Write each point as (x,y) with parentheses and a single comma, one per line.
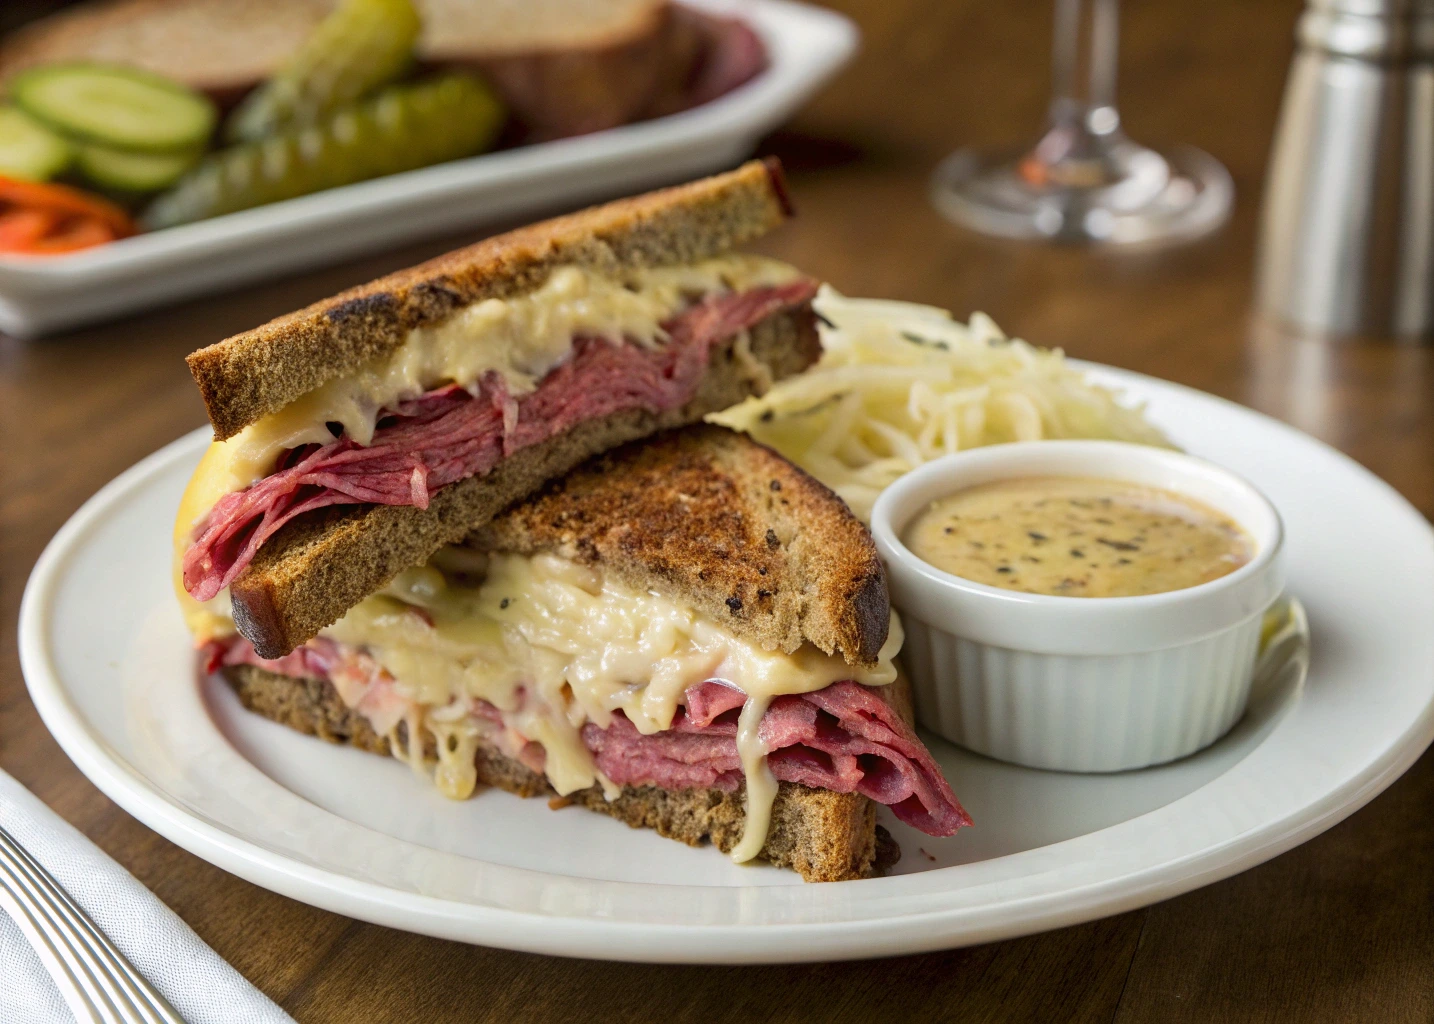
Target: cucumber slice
(115,106)
(28,149)
(131,171)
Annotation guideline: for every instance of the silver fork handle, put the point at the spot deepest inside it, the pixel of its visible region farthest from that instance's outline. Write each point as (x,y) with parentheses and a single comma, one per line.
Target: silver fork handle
(97,982)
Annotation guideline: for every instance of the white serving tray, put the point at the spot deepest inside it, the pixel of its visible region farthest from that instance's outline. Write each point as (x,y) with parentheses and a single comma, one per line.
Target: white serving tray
(806,46)
(111,670)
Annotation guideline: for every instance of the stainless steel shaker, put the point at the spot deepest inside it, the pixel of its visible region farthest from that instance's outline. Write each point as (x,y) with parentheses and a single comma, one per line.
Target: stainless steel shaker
(1347,239)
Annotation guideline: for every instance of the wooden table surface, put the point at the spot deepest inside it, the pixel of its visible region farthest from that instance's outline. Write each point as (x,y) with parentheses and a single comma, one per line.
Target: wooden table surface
(1339,929)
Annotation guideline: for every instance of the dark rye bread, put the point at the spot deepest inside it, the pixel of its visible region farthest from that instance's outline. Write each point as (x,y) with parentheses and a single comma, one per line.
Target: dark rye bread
(256,373)
(824,836)
(726,525)
(321,564)
(566,68)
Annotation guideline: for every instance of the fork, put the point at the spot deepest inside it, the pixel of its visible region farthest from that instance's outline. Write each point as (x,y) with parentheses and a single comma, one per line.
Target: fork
(98,983)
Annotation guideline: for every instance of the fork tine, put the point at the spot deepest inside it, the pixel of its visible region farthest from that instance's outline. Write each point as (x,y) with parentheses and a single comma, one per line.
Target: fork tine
(105,991)
(112,989)
(54,950)
(113,993)
(137,988)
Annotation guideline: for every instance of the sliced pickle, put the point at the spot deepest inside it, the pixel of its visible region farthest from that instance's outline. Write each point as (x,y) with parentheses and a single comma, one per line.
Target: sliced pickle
(401,128)
(361,46)
(115,106)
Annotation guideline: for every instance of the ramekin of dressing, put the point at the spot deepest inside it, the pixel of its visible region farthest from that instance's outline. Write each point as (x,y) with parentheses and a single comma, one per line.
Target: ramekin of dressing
(1079,605)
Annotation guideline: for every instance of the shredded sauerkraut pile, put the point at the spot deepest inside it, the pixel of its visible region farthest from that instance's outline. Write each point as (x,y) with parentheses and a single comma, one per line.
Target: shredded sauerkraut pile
(900,384)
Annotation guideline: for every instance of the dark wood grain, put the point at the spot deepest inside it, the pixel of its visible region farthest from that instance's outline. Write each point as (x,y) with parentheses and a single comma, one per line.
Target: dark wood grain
(1340,929)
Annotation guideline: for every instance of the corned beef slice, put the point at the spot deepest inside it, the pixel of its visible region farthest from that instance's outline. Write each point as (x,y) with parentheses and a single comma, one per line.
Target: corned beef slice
(313,660)
(448,434)
(843,738)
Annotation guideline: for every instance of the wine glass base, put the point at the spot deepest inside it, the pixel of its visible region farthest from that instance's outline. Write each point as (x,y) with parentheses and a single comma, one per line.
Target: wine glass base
(990,194)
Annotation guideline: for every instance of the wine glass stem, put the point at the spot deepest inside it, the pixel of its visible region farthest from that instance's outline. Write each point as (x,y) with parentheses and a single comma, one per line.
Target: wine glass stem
(1083,179)
(1087,33)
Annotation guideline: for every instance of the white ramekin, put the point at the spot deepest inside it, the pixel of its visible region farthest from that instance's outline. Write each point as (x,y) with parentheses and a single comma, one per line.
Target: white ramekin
(1088,684)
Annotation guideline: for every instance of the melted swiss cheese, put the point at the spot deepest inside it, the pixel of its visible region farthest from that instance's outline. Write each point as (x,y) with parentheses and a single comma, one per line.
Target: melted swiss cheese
(579,646)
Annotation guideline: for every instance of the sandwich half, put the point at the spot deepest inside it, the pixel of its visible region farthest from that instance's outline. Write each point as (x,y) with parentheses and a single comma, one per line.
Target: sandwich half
(689,634)
(356,437)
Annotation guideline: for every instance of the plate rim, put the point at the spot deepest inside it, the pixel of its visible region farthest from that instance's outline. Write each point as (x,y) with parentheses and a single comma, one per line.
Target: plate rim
(591,936)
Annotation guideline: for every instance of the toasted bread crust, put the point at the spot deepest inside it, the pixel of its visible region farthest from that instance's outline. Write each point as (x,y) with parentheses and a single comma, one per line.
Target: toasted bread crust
(564,87)
(253,374)
(725,525)
(321,564)
(824,836)
(456,30)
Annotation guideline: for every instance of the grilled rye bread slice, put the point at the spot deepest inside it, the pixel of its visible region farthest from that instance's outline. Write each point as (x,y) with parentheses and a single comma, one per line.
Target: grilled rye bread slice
(822,835)
(258,372)
(726,525)
(323,563)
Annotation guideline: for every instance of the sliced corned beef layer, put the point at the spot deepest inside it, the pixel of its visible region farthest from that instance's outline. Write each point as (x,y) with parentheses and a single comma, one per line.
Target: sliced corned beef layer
(313,660)
(450,434)
(843,738)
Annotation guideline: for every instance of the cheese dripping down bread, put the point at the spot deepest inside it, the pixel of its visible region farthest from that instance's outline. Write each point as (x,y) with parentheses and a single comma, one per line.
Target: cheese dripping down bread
(355,438)
(683,616)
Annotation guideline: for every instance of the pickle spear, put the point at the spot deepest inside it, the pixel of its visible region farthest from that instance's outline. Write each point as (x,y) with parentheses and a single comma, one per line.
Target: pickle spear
(362,46)
(400,128)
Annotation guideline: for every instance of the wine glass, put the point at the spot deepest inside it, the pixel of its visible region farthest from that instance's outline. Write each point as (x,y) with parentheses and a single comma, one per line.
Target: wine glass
(1084,180)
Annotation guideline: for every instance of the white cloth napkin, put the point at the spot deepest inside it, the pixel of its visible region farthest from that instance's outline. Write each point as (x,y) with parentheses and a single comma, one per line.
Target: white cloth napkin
(196,981)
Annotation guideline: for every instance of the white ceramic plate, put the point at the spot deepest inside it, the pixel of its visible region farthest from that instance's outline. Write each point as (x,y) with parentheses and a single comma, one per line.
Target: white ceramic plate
(109,667)
(805,45)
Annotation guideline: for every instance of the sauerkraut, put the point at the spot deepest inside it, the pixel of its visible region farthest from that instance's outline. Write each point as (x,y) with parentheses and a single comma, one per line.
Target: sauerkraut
(900,384)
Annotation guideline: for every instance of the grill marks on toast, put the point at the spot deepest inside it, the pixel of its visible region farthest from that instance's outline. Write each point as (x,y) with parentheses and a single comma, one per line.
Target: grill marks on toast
(725,525)
(258,372)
